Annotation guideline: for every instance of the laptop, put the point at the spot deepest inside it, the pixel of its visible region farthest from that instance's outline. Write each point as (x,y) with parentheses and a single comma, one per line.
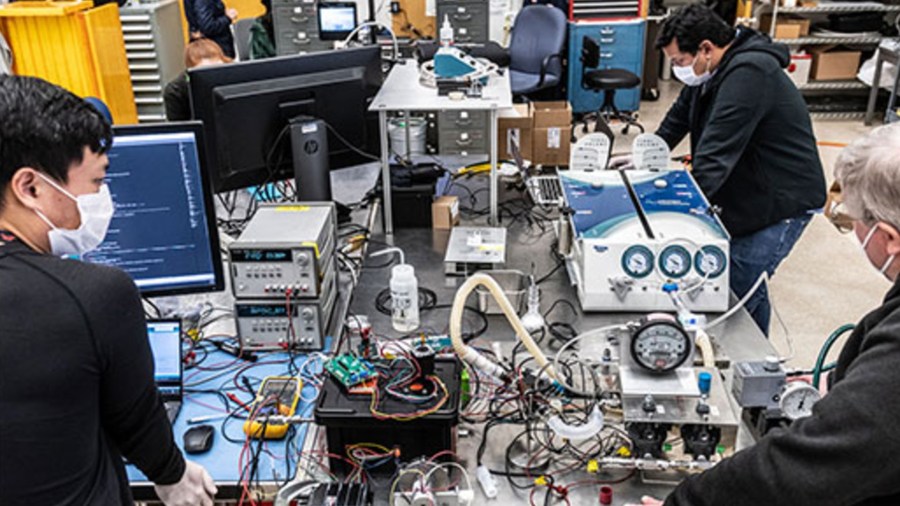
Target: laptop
(165,342)
(544,190)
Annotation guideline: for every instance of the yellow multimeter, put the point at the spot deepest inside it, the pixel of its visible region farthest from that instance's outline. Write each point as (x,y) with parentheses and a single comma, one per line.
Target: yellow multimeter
(277,396)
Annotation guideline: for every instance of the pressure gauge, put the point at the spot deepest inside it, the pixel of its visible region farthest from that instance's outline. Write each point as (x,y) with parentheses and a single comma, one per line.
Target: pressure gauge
(660,344)
(675,261)
(710,261)
(637,261)
(798,399)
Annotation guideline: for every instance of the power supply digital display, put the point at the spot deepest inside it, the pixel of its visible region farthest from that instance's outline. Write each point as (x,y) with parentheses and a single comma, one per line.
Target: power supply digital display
(264,311)
(260,255)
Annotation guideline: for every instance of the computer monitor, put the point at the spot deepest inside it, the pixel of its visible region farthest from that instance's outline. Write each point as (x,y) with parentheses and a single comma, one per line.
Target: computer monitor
(336,20)
(247,107)
(163,232)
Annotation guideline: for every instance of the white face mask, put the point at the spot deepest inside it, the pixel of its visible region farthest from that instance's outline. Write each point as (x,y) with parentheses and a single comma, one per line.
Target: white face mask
(96,210)
(865,244)
(687,76)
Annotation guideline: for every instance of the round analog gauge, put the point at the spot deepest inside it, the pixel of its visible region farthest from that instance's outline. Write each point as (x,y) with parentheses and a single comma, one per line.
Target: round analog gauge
(710,261)
(798,399)
(660,344)
(637,261)
(675,261)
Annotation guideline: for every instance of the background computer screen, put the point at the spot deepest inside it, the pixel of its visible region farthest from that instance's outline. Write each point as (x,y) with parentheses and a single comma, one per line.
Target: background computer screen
(336,20)
(163,230)
(165,343)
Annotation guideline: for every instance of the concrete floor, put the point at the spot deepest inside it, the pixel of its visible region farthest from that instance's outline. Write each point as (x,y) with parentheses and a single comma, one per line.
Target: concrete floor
(827,280)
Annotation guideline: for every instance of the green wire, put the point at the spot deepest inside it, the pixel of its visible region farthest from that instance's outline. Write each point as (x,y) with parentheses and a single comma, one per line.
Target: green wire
(823,352)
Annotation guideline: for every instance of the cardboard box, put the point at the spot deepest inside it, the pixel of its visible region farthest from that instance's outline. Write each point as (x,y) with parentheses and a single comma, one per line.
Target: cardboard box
(787,27)
(515,125)
(445,212)
(552,132)
(552,114)
(799,68)
(830,63)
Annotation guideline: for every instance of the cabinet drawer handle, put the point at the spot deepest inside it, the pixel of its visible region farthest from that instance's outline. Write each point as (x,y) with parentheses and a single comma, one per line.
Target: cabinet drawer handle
(462,142)
(607,31)
(465,122)
(462,17)
(301,42)
(608,41)
(606,55)
(296,19)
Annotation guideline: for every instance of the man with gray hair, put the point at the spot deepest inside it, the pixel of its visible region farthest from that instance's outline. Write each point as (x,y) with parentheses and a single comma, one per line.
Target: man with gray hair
(846,452)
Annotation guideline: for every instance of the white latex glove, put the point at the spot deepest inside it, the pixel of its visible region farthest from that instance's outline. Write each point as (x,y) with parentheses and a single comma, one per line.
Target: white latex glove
(621,162)
(196,488)
(648,501)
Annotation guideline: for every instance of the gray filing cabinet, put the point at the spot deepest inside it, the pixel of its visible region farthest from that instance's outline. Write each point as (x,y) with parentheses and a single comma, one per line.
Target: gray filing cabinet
(297,27)
(155,51)
(464,132)
(469,19)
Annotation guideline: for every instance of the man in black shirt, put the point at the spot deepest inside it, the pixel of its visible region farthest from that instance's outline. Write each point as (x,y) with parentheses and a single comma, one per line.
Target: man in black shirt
(754,151)
(76,372)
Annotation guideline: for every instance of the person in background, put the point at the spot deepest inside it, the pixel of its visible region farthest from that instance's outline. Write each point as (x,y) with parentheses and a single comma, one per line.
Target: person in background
(752,143)
(209,19)
(176,96)
(262,34)
(845,452)
(77,392)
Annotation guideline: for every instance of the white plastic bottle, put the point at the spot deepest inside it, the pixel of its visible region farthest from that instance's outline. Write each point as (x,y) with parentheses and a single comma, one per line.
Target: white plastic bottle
(404,298)
(446,33)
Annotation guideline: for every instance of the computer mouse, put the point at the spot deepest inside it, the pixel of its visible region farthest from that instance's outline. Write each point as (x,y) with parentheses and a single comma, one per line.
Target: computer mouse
(198,439)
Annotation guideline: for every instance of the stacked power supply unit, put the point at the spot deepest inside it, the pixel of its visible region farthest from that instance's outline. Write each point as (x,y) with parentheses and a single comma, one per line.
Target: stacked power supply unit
(284,276)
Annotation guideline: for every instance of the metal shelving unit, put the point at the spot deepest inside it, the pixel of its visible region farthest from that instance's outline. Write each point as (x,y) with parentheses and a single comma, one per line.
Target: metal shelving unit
(811,41)
(839,116)
(826,8)
(155,56)
(834,85)
(833,88)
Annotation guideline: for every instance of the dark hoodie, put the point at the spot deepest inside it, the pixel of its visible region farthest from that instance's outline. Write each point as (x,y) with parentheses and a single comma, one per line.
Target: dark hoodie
(754,152)
(844,454)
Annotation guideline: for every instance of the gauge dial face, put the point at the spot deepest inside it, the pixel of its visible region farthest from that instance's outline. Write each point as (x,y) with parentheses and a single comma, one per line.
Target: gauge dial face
(710,261)
(675,261)
(798,399)
(637,261)
(660,346)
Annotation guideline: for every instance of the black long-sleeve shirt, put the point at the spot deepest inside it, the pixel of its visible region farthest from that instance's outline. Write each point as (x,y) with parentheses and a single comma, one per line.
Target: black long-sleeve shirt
(844,454)
(210,19)
(754,151)
(76,384)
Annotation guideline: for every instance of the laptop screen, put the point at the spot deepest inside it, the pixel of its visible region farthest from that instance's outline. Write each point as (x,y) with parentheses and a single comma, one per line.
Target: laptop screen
(165,342)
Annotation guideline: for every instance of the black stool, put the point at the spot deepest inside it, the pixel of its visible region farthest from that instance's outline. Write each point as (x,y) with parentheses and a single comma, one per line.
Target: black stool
(607,81)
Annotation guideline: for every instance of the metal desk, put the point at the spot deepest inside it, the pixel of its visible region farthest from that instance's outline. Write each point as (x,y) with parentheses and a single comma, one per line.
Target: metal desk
(738,337)
(402,92)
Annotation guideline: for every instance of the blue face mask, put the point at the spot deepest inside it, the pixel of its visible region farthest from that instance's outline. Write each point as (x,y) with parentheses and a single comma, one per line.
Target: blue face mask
(96,210)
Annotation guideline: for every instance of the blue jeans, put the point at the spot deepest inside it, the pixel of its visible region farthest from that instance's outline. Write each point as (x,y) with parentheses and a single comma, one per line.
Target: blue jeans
(759,252)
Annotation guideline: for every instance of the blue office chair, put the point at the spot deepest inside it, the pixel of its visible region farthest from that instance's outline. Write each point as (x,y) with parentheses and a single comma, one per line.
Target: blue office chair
(535,49)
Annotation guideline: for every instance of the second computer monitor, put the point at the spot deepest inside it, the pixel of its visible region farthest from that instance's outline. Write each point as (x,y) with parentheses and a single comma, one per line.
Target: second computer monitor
(247,108)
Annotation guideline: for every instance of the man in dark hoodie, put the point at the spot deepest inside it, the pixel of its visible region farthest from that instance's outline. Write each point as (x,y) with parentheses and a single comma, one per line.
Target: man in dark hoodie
(754,152)
(845,453)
